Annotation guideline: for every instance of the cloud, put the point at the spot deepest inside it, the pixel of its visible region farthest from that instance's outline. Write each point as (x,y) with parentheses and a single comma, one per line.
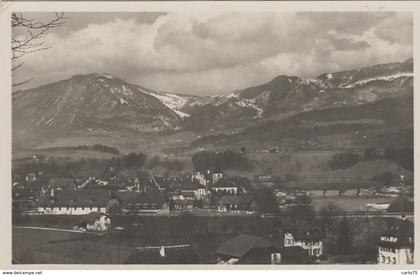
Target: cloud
(211,53)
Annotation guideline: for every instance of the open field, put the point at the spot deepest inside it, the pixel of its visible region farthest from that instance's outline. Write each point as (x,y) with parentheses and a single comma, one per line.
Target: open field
(204,234)
(58,247)
(349,204)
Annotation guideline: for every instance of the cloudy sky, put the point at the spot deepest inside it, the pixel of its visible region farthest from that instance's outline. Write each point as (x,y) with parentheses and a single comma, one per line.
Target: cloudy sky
(210,53)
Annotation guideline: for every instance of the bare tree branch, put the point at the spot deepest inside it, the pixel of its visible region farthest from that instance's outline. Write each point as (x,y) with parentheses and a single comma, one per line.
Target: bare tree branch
(22,82)
(30,37)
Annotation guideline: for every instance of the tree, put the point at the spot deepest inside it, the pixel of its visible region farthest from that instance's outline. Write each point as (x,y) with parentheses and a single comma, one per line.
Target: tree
(327,213)
(198,203)
(344,160)
(402,156)
(371,153)
(152,162)
(302,212)
(16,212)
(344,241)
(266,200)
(27,37)
(289,178)
(218,161)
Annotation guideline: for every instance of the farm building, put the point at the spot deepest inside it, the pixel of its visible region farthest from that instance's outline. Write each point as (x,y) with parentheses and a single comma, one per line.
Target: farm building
(95,221)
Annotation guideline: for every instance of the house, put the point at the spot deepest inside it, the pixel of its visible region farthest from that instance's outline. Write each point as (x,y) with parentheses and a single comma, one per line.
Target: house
(248,249)
(94,221)
(247,203)
(396,245)
(226,186)
(198,191)
(228,204)
(133,203)
(201,178)
(309,240)
(175,195)
(216,177)
(75,202)
(175,254)
(188,194)
(25,196)
(31,178)
(182,204)
(187,197)
(241,203)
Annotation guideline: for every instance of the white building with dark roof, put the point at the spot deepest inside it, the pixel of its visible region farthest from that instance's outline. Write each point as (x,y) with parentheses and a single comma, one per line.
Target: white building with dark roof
(310,240)
(95,221)
(396,245)
(74,202)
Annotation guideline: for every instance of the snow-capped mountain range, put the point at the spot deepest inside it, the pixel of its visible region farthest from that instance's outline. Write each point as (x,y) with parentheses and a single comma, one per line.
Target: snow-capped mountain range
(288,95)
(103,101)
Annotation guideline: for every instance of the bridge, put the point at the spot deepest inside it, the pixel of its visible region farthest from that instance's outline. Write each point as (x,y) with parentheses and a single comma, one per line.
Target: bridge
(394,215)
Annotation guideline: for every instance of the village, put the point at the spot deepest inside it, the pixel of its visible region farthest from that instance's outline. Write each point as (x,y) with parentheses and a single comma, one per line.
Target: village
(112,206)
(210,135)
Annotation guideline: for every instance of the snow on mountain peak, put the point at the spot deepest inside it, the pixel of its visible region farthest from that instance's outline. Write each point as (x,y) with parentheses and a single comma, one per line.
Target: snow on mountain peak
(172,101)
(105,75)
(384,77)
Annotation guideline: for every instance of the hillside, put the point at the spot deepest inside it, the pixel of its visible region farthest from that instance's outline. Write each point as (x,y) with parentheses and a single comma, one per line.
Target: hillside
(91,101)
(335,110)
(385,122)
(367,170)
(287,95)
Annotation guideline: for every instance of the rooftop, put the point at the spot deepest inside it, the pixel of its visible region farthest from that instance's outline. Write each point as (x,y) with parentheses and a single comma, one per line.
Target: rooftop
(305,234)
(399,233)
(91,217)
(225,182)
(241,199)
(242,244)
(135,198)
(87,197)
